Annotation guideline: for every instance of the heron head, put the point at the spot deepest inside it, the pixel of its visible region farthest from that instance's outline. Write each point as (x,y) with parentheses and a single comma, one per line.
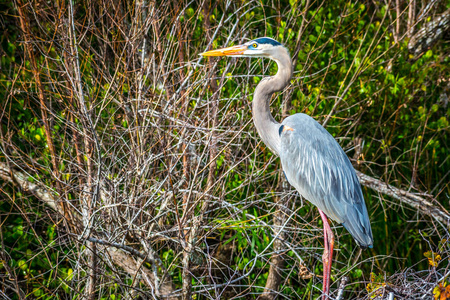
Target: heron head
(260,47)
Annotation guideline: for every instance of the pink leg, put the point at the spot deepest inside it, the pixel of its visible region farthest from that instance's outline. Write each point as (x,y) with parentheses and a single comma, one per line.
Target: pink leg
(327,257)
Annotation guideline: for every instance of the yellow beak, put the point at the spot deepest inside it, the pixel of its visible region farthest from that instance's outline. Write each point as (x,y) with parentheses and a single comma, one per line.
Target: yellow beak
(235,50)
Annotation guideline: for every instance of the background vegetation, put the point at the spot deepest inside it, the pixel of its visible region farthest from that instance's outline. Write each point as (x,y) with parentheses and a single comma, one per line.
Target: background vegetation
(130,167)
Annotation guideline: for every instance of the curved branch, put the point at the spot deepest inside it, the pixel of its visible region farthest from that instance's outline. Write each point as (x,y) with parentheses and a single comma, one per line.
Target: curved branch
(118,256)
(417,202)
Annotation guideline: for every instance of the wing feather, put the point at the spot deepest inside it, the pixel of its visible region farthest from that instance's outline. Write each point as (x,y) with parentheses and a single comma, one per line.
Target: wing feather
(318,168)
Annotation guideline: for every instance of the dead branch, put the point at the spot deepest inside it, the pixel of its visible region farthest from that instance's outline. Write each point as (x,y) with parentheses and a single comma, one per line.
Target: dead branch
(26,185)
(429,34)
(417,202)
(25,26)
(119,257)
(341,289)
(133,266)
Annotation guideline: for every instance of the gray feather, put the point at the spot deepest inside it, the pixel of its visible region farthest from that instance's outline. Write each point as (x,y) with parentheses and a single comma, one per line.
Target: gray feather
(318,168)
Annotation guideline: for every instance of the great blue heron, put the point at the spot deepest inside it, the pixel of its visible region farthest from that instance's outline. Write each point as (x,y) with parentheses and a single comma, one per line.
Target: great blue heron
(312,160)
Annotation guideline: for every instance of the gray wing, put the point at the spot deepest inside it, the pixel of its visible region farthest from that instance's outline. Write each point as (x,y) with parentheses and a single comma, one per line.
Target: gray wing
(318,168)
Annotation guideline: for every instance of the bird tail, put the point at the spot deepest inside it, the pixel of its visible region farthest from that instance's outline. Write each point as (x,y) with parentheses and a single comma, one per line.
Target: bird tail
(359,228)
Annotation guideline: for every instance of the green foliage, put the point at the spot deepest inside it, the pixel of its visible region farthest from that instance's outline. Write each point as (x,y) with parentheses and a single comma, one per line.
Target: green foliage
(33,256)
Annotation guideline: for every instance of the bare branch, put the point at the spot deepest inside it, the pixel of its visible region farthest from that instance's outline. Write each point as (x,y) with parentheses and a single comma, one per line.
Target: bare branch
(417,202)
(119,257)
(429,34)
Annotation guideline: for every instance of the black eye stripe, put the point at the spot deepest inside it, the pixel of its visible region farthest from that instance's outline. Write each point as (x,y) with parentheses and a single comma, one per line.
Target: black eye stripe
(280,130)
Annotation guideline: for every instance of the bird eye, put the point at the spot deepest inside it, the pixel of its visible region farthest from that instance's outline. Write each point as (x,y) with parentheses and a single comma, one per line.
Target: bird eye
(255,45)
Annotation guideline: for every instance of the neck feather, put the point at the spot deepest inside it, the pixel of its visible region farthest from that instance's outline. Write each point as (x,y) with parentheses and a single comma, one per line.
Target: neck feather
(264,122)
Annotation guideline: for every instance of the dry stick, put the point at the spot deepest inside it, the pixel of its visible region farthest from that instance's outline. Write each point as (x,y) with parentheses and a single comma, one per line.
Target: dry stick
(397,20)
(184,145)
(129,249)
(91,193)
(119,257)
(6,297)
(156,262)
(9,271)
(193,237)
(130,265)
(341,289)
(429,34)
(426,207)
(391,296)
(3,257)
(87,192)
(300,35)
(24,24)
(187,249)
(411,17)
(277,261)
(186,171)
